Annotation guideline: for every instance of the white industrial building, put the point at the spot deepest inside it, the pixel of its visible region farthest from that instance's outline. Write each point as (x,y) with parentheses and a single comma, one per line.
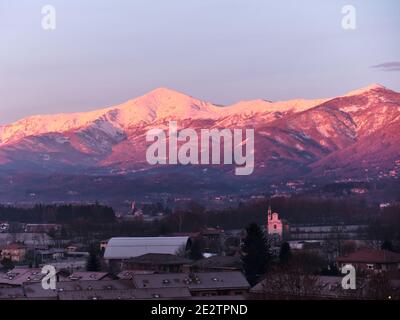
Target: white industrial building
(126,248)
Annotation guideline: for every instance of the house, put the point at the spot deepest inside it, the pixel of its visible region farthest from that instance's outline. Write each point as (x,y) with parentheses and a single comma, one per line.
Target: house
(157,262)
(19,276)
(42,228)
(33,240)
(4,227)
(212,234)
(49,255)
(371,260)
(212,239)
(15,252)
(218,263)
(72,248)
(199,284)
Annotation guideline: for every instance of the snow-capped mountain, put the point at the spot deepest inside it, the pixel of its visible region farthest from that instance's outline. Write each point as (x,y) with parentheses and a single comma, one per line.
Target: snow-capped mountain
(338,137)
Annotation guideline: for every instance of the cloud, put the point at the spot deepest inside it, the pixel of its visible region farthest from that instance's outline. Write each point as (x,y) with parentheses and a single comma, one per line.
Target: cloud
(388,66)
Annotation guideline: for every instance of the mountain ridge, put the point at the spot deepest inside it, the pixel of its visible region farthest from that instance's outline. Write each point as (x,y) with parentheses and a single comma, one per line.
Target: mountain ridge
(337,138)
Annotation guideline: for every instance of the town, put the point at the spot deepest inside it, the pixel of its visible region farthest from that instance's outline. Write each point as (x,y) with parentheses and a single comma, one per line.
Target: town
(273,259)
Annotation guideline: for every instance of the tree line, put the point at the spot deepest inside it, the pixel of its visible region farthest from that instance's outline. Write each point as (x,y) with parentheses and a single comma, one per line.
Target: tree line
(57,214)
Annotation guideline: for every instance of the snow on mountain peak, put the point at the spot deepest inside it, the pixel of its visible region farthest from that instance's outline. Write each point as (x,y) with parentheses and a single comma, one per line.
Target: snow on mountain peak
(157,105)
(363,90)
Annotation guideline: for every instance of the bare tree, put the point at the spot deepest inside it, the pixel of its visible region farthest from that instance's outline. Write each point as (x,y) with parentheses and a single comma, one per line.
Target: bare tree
(379,287)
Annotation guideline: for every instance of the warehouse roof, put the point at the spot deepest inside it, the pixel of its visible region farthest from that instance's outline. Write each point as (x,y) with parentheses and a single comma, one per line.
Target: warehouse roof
(125,248)
(193,281)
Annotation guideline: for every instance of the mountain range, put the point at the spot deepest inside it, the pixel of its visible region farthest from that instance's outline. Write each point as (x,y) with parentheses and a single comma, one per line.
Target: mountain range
(354,136)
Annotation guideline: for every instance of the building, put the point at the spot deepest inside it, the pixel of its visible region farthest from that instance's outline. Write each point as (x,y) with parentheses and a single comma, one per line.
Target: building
(129,274)
(70,264)
(42,228)
(4,227)
(98,290)
(130,294)
(212,234)
(37,240)
(87,276)
(15,293)
(157,262)
(19,276)
(127,248)
(50,255)
(218,263)
(94,290)
(327,232)
(103,245)
(275,227)
(199,284)
(371,260)
(15,252)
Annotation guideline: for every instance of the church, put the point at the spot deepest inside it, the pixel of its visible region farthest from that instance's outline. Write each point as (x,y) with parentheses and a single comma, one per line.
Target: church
(276,227)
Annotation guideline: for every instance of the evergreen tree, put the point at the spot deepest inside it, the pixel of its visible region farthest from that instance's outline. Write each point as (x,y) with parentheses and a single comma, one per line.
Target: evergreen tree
(7,264)
(285,253)
(93,262)
(255,253)
(387,245)
(196,250)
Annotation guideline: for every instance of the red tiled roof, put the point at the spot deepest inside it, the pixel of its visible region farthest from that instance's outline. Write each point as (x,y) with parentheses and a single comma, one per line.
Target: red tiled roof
(13,246)
(371,256)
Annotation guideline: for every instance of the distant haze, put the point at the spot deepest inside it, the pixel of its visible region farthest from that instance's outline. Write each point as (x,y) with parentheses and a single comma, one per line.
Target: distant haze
(106,52)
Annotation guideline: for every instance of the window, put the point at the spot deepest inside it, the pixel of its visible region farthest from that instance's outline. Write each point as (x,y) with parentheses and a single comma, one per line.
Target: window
(275,227)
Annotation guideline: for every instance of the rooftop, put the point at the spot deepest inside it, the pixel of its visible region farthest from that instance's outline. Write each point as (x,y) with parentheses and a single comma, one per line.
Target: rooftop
(131,294)
(35,290)
(371,256)
(13,246)
(126,248)
(194,281)
(18,276)
(90,276)
(159,258)
(129,274)
(219,262)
